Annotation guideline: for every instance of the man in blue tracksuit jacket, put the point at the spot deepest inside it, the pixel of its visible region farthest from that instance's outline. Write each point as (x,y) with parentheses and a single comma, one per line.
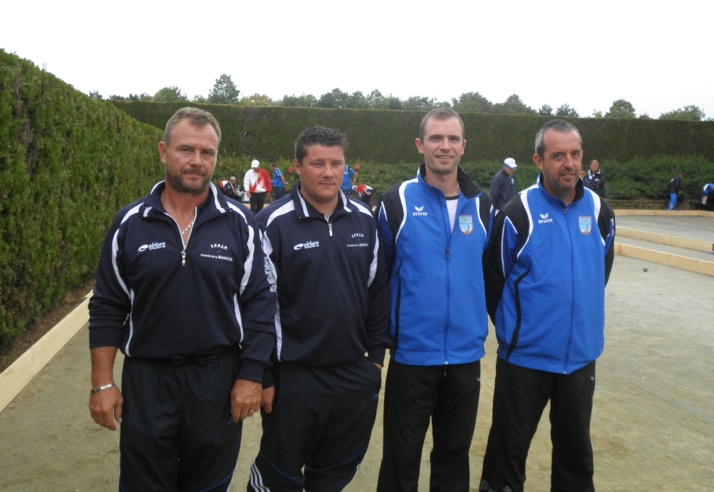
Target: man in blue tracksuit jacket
(548,261)
(435,228)
(183,291)
(331,325)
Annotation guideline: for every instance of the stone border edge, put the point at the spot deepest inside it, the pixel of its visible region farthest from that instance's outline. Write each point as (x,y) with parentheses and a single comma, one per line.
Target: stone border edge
(15,377)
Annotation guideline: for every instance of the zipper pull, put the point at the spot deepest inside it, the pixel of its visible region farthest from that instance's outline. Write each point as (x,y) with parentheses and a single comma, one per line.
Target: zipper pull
(329,226)
(448,252)
(183,258)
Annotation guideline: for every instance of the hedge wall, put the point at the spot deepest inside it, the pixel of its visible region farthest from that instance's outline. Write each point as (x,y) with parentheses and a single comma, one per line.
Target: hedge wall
(388,136)
(67,164)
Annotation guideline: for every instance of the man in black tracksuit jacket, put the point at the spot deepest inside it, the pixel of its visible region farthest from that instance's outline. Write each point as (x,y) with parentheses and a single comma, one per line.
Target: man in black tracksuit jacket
(331,326)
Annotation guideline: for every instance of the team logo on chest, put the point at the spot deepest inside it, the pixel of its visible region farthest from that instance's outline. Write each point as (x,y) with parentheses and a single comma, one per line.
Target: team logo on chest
(466,224)
(585,222)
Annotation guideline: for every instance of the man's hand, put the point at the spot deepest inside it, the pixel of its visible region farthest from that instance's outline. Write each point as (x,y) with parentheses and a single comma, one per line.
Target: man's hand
(245,399)
(266,399)
(105,406)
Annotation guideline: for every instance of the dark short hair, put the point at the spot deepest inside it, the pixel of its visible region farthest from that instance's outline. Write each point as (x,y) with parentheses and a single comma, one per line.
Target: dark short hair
(318,135)
(440,114)
(560,126)
(197,117)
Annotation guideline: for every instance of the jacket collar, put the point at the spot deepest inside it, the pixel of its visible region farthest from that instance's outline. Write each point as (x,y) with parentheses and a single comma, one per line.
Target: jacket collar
(579,192)
(305,210)
(468,188)
(215,204)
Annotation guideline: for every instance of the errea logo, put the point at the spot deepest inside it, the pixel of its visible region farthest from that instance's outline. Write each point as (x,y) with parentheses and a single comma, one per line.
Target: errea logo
(306,245)
(545,219)
(151,246)
(419,212)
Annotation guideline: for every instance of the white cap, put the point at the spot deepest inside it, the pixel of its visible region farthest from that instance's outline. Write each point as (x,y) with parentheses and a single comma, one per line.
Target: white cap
(255,164)
(510,163)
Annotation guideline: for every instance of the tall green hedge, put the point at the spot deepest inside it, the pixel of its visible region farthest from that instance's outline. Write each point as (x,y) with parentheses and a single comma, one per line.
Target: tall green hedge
(67,164)
(388,136)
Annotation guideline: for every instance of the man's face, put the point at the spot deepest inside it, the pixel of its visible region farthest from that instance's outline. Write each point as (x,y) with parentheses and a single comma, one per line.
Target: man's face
(443,145)
(321,174)
(594,166)
(190,157)
(561,163)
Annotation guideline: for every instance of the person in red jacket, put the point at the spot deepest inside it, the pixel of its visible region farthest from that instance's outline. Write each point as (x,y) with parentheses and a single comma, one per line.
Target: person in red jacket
(256,184)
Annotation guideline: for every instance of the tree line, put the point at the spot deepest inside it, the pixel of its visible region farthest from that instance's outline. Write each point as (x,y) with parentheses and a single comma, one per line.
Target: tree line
(225,91)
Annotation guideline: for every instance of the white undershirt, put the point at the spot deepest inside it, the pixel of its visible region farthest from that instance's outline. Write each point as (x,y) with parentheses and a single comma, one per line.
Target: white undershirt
(451,204)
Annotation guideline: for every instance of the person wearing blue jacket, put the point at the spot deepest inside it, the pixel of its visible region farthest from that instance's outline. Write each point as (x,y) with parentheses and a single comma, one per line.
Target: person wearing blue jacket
(548,261)
(332,324)
(182,290)
(435,228)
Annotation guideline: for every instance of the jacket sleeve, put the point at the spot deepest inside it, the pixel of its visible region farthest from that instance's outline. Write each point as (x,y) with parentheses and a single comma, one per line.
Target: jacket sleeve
(606,224)
(110,304)
(378,309)
(257,303)
(501,255)
(389,216)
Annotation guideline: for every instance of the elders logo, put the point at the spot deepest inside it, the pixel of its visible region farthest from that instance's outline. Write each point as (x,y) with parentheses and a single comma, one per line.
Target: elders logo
(307,245)
(544,219)
(419,212)
(151,246)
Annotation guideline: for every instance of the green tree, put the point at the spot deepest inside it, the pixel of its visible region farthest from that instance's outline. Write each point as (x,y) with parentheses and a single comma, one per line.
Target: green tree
(375,100)
(512,105)
(333,99)
(200,99)
(170,94)
(688,113)
(472,102)
(546,110)
(224,91)
(393,102)
(257,100)
(356,100)
(139,97)
(566,111)
(302,101)
(621,109)
(420,103)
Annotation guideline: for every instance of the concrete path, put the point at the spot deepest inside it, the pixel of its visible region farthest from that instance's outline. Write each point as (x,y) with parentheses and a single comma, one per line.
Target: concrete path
(653,421)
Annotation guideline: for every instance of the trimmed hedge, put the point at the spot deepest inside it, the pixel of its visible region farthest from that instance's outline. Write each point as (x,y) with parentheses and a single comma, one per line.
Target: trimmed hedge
(388,136)
(67,164)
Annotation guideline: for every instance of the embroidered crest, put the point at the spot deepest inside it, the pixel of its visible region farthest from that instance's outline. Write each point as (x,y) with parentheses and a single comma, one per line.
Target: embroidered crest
(586,224)
(466,224)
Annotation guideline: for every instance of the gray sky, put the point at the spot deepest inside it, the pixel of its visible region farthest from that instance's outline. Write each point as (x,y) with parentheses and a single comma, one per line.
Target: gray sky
(656,55)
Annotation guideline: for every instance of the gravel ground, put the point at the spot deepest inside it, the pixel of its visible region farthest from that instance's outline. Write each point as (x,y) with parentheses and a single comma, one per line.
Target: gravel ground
(653,420)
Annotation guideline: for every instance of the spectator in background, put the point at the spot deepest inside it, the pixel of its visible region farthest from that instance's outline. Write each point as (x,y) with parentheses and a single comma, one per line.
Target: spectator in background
(364,192)
(503,184)
(348,177)
(708,196)
(229,189)
(595,179)
(257,185)
(278,182)
(675,189)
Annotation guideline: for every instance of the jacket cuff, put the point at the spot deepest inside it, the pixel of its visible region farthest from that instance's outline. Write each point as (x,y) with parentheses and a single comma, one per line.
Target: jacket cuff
(252,370)
(376,354)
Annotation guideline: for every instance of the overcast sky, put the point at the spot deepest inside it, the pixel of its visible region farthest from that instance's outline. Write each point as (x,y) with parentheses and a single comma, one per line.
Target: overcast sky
(656,55)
